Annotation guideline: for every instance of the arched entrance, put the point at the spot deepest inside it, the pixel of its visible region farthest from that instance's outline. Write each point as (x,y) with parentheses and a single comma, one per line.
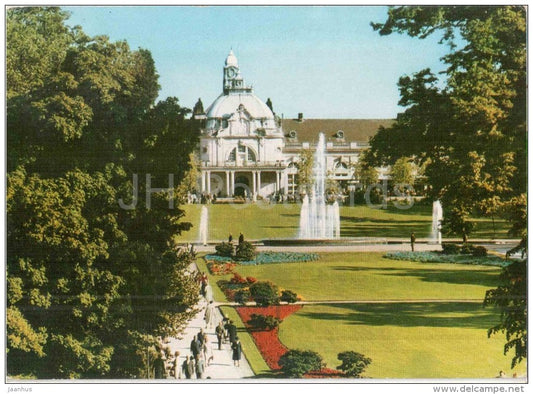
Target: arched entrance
(242,186)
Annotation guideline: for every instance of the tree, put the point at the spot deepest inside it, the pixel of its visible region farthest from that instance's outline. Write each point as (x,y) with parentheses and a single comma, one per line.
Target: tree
(470,133)
(264,293)
(305,171)
(402,172)
(470,129)
(189,184)
(198,108)
(81,271)
(511,298)
(353,363)
(296,363)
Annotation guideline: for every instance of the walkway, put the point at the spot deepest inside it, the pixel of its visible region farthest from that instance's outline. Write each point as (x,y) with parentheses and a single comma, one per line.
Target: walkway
(222,365)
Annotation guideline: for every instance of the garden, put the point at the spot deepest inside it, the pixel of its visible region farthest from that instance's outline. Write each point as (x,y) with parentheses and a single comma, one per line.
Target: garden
(400,304)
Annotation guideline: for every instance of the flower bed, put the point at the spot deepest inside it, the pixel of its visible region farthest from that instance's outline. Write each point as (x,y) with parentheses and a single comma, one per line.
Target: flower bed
(268,258)
(267,341)
(224,268)
(437,257)
(324,373)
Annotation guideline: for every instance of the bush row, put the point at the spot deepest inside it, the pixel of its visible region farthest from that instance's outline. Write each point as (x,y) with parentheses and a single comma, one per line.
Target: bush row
(436,257)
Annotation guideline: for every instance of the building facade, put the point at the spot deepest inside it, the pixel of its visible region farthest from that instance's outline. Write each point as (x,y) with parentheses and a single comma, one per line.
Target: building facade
(246,150)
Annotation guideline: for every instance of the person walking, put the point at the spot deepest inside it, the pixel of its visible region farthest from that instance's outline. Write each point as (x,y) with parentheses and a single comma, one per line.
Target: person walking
(185,368)
(230,238)
(209,293)
(237,352)
(220,334)
(201,337)
(176,367)
(241,239)
(159,367)
(210,315)
(200,367)
(192,367)
(195,347)
(207,351)
(413,239)
(232,331)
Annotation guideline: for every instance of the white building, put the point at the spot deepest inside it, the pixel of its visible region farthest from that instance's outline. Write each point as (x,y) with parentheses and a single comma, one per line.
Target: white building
(245,150)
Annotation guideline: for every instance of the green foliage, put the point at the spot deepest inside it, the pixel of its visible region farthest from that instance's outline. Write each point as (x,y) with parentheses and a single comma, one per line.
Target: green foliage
(242,296)
(289,296)
(225,249)
(448,248)
(456,222)
(469,129)
(262,322)
(403,172)
(81,271)
(479,251)
(296,363)
(305,171)
(353,363)
(245,251)
(264,293)
(511,298)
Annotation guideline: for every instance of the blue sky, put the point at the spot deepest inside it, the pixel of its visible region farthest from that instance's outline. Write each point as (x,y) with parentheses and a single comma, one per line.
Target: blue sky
(326,62)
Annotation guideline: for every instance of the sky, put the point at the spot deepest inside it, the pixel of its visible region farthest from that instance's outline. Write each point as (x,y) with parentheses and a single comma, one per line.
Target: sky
(325,62)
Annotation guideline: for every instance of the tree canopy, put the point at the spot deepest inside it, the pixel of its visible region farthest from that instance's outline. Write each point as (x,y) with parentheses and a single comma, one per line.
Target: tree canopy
(82,272)
(468,129)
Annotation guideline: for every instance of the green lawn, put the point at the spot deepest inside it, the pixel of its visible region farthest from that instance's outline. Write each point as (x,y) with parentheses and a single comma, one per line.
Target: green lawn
(404,340)
(369,276)
(422,340)
(263,221)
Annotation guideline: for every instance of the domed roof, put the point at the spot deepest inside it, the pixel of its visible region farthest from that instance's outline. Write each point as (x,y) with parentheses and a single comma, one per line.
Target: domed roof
(231,60)
(225,105)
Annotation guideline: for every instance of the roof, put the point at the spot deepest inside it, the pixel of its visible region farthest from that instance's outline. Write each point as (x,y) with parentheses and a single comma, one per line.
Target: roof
(225,105)
(355,130)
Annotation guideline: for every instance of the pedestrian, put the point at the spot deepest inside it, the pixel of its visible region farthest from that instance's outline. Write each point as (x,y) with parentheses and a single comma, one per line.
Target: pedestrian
(210,315)
(208,293)
(413,239)
(230,238)
(241,239)
(232,331)
(201,337)
(159,367)
(220,334)
(176,370)
(185,368)
(237,351)
(200,367)
(195,347)
(203,284)
(207,351)
(192,367)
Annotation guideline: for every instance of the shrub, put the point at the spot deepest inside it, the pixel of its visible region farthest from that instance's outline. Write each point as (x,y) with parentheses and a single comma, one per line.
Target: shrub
(353,363)
(238,279)
(224,249)
(251,280)
(296,363)
(264,293)
(242,296)
(262,322)
(448,248)
(467,249)
(479,251)
(289,297)
(245,251)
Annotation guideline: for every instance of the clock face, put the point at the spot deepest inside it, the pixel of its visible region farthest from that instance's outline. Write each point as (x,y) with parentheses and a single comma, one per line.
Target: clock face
(231,72)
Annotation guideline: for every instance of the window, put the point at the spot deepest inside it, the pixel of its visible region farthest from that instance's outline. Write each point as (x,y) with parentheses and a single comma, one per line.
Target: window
(251,155)
(232,155)
(242,148)
(292,134)
(340,134)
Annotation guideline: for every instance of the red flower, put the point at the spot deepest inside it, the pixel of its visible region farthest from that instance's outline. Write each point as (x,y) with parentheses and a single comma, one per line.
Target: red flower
(267,341)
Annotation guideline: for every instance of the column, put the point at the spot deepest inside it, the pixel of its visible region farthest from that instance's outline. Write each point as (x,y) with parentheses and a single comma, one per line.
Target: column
(232,183)
(258,181)
(203,182)
(208,182)
(227,183)
(277,180)
(285,183)
(254,184)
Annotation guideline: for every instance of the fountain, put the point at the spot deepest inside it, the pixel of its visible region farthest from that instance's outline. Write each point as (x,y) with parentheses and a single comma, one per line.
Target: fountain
(436,223)
(204,219)
(319,220)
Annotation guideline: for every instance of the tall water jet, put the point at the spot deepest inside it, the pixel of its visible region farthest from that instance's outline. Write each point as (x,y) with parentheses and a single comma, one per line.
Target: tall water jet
(204,221)
(436,223)
(318,220)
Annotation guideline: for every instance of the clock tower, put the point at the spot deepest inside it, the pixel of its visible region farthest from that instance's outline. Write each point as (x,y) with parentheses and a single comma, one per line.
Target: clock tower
(233,82)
